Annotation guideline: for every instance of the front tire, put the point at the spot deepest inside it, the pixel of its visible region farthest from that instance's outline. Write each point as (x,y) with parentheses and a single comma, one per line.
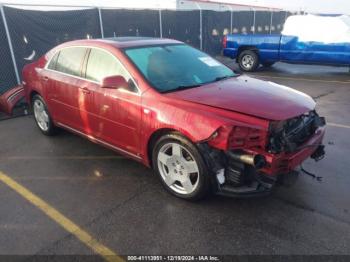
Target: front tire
(180,167)
(248,61)
(42,116)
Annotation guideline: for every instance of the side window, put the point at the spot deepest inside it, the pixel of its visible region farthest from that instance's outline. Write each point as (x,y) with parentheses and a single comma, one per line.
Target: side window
(53,61)
(102,64)
(70,59)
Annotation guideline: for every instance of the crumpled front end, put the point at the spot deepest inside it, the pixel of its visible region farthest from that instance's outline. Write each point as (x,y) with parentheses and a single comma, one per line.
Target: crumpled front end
(251,161)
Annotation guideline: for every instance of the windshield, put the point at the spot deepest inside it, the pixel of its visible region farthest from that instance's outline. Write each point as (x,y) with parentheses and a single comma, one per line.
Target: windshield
(174,67)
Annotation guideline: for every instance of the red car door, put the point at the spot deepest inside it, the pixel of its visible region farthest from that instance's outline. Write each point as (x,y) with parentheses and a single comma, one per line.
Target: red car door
(67,93)
(116,115)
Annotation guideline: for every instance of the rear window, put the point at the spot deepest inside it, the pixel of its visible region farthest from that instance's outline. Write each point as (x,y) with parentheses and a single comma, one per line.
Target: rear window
(70,59)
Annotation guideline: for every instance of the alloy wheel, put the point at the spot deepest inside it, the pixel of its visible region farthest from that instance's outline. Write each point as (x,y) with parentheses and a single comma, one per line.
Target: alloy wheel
(247,61)
(41,115)
(178,168)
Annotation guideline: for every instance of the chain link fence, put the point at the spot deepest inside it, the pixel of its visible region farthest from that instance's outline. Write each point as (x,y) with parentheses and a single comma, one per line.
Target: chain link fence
(25,34)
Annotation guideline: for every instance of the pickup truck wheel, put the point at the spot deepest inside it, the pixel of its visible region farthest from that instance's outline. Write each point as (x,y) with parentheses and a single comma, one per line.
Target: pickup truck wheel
(248,60)
(180,167)
(42,116)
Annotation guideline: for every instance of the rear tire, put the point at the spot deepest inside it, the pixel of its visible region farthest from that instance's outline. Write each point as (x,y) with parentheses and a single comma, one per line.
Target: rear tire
(248,61)
(180,167)
(42,116)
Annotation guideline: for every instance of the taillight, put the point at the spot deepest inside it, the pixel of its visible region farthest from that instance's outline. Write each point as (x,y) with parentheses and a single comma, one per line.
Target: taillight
(224,41)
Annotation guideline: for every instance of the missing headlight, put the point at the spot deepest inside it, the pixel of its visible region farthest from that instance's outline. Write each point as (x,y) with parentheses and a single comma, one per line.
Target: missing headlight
(287,136)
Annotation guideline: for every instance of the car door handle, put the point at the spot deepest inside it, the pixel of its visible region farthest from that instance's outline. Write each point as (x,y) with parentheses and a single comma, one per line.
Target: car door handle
(85,90)
(45,78)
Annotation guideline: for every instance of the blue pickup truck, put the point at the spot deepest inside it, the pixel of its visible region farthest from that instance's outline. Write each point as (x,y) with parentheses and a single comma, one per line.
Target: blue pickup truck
(309,44)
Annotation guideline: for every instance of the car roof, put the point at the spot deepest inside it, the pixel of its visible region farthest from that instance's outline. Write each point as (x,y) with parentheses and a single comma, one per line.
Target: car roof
(123,42)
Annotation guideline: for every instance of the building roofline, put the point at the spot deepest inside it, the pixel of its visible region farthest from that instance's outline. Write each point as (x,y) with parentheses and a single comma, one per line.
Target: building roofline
(236,4)
(58,5)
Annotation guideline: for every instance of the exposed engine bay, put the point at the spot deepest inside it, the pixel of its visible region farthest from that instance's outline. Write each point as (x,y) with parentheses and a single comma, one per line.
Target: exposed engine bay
(287,136)
(244,173)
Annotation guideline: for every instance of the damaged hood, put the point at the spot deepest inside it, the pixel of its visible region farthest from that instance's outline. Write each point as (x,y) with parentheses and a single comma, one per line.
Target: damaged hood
(250,96)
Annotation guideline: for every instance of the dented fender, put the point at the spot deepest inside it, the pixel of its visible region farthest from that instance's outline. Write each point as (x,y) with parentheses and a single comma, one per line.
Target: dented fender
(197,122)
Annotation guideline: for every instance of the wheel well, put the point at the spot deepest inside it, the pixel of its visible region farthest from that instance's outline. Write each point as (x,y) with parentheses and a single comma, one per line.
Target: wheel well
(32,94)
(154,138)
(246,47)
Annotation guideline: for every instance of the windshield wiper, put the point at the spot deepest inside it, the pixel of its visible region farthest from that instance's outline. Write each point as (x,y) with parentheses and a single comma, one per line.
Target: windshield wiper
(183,87)
(179,88)
(222,78)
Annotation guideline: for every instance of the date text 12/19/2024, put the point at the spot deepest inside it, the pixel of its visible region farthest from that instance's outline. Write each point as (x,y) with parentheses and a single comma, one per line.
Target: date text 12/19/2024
(173,258)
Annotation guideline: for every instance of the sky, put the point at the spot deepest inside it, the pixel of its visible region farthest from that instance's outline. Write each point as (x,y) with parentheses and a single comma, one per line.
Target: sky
(311,6)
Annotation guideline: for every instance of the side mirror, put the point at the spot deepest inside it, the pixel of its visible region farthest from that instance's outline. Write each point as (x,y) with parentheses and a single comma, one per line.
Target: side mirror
(114,82)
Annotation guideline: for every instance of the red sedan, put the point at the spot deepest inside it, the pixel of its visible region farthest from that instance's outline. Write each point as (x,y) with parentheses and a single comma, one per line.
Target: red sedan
(199,125)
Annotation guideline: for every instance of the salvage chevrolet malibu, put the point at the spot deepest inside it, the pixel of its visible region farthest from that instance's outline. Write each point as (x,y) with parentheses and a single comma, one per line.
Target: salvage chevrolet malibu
(200,126)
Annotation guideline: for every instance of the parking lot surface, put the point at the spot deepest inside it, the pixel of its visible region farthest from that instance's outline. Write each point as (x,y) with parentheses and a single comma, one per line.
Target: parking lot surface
(123,206)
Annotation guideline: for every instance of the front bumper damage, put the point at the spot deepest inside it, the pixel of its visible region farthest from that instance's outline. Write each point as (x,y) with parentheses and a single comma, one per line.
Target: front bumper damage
(256,173)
